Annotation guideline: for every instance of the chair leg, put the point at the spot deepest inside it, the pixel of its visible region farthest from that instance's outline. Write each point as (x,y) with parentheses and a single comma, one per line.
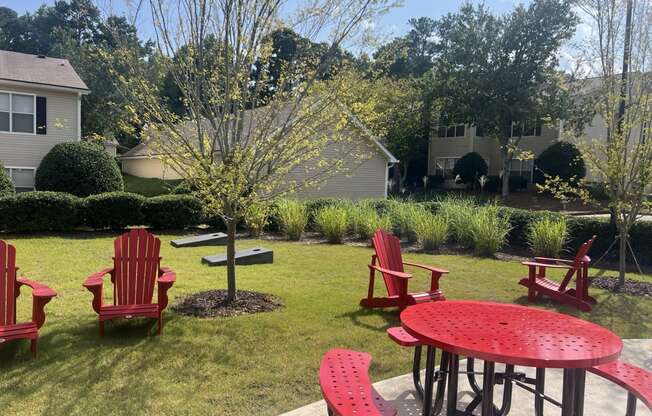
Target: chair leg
(101,328)
(33,347)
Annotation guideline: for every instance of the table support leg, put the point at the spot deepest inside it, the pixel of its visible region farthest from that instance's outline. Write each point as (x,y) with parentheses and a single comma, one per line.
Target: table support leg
(416,372)
(453,373)
(539,386)
(488,382)
(470,374)
(631,405)
(580,381)
(568,393)
(429,381)
(441,383)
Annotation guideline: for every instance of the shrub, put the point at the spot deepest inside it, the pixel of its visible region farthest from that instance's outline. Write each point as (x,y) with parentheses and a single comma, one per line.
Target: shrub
(78,168)
(547,237)
(365,220)
(113,210)
(172,211)
(333,221)
(184,188)
(470,167)
(256,216)
(6,184)
(293,218)
(313,206)
(458,212)
(431,230)
(561,159)
(489,230)
(404,215)
(43,211)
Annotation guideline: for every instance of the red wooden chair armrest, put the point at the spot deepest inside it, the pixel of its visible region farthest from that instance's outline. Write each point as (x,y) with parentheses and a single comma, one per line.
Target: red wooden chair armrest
(39,290)
(552,260)
(165,281)
(41,295)
(423,266)
(546,265)
(400,275)
(94,284)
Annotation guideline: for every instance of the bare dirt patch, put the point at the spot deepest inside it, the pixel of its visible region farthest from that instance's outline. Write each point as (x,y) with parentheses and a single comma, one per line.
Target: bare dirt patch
(213,303)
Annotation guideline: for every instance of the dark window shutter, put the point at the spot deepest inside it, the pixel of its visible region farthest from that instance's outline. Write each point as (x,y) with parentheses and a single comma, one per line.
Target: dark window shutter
(41,115)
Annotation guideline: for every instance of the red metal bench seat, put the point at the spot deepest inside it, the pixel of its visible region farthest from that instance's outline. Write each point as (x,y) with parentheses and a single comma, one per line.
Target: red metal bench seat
(637,381)
(402,338)
(346,387)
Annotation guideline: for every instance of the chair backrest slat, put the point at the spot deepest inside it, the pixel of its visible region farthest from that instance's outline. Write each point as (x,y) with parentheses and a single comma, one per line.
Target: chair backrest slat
(136,265)
(7,284)
(388,253)
(580,258)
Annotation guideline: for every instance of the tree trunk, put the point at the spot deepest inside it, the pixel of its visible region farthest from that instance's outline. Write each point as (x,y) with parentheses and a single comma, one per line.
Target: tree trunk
(505,180)
(622,260)
(230,259)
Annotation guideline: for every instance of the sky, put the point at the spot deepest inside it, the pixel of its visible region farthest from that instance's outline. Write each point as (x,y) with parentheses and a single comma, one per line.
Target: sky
(390,25)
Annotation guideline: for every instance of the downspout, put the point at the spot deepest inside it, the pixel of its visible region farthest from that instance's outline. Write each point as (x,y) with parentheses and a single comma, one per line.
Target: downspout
(389,166)
(79,97)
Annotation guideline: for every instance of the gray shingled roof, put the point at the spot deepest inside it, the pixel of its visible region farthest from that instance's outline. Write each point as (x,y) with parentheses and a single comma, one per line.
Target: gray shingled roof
(22,67)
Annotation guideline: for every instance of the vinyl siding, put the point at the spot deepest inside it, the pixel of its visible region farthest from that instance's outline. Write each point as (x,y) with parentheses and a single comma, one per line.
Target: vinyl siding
(27,150)
(148,168)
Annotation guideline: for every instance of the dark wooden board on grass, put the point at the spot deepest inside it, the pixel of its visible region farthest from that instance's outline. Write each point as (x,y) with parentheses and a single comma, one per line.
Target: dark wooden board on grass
(257,255)
(213,239)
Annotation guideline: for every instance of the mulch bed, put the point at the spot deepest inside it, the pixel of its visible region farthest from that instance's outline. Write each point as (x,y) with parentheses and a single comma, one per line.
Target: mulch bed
(212,303)
(632,287)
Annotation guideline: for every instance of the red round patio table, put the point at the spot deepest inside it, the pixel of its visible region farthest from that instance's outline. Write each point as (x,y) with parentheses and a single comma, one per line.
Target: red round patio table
(513,335)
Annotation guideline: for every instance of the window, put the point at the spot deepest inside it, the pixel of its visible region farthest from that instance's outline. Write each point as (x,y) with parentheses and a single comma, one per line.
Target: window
(530,129)
(522,168)
(444,166)
(455,130)
(23,178)
(17,113)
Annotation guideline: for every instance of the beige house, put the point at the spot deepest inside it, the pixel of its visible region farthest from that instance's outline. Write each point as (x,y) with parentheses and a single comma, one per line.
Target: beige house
(449,143)
(361,177)
(40,106)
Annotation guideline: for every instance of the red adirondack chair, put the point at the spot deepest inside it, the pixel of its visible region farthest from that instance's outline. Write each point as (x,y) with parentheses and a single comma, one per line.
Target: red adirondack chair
(9,291)
(389,262)
(136,269)
(537,282)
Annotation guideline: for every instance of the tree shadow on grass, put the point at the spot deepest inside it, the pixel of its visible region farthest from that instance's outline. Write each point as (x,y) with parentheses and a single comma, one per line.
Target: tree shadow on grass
(389,316)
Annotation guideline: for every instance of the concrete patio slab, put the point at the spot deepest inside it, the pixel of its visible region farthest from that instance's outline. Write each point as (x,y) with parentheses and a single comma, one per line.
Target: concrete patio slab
(602,397)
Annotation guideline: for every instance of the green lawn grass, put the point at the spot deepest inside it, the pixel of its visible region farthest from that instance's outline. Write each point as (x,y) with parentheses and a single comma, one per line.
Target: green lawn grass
(149,186)
(249,365)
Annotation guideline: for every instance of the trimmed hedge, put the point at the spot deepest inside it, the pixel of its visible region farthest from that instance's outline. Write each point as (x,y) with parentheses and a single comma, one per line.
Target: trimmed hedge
(6,185)
(561,159)
(172,211)
(79,168)
(40,211)
(113,210)
(470,168)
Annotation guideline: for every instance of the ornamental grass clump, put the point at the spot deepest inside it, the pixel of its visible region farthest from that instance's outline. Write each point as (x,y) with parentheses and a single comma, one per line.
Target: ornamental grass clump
(431,230)
(404,216)
(364,220)
(547,236)
(489,229)
(333,222)
(293,216)
(459,211)
(256,218)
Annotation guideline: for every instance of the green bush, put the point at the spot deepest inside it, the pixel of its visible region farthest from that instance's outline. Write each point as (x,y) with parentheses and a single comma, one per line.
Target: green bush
(470,168)
(547,237)
(256,217)
(183,188)
(6,185)
(313,206)
(489,230)
(365,220)
(404,216)
(431,230)
(293,217)
(459,211)
(43,211)
(78,168)
(333,221)
(113,210)
(562,159)
(172,211)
